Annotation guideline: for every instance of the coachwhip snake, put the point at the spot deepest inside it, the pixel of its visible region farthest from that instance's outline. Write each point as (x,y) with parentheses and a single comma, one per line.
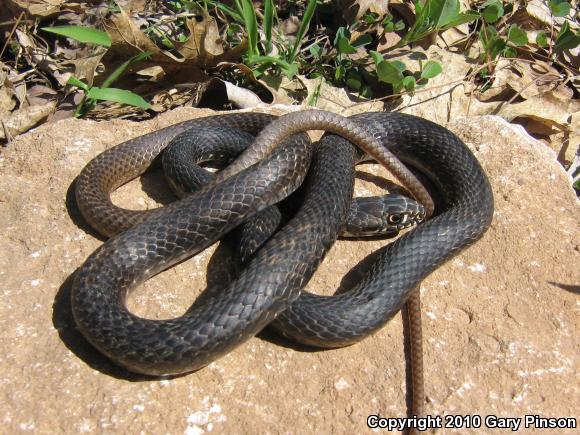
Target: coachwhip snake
(269,289)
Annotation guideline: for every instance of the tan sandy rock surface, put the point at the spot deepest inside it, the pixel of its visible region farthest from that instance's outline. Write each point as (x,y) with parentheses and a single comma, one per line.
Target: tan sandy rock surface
(500,320)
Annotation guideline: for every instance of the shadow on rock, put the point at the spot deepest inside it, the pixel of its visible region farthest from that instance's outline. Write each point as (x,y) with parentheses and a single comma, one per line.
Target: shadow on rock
(75,214)
(568,287)
(64,323)
(153,183)
(380,182)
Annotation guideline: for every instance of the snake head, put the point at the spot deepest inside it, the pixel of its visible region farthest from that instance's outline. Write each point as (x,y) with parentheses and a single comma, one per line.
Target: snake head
(382,215)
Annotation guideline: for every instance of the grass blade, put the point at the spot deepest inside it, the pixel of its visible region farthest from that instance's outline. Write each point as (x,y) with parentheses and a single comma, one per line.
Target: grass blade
(308,14)
(119,95)
(73,81)
(121,68)
(82,34)
(227,10)
(251,23)
(268,22)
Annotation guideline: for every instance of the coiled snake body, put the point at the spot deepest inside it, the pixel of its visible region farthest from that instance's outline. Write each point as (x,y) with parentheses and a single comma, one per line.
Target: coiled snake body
(268,289)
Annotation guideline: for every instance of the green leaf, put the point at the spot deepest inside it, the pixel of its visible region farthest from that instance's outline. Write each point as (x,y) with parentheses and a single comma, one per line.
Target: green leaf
(409,83)
(559,8)
(289,68)
(431,69)
(389,73)
(155,32)
(73,81)
(465,17)
(389,27)
(517,36)
(387,19)
(121,68)
(510,52)
(251,23)
(119,95)
(315,50)
(354,80)
(339,72)
(493,11)
(542,39)
(399,65)
(399,25)
(366,92)
(82,34)
(362,40)
(419,7)
(370,17)
(377,57)
(566,40)
(226,9)
(493,44)
(397,87)
(268,20)
(443,12)
(304,24)
(344,46)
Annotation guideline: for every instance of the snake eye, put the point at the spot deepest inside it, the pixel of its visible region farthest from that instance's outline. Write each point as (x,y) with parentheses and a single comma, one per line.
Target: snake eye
(394,219)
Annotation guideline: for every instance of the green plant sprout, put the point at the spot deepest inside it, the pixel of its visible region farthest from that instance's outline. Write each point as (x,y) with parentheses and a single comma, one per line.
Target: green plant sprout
(104,92)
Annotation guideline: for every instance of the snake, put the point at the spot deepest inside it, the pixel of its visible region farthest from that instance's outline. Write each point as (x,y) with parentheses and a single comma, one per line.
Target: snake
(269,290)
(369,216)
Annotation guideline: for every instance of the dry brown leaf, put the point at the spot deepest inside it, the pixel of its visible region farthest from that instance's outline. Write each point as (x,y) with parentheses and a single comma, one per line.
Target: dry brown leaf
(39,95)
(446,97)
(453,35)
(127,40)
(154,73)
(7,102)
(204,42)
(538,10)
(126,37)
(548,118)
(41,8)
(283,91)
(544,112)
(202,49)
(24,119)
(327,97)
(85,68)
(526,79)
(353,10)
(38,57)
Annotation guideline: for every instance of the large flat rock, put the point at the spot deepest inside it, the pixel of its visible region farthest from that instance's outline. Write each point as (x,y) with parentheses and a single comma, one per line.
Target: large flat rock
(500,319)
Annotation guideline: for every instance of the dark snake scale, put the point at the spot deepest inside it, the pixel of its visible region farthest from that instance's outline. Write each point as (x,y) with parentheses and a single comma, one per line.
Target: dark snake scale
(269,288)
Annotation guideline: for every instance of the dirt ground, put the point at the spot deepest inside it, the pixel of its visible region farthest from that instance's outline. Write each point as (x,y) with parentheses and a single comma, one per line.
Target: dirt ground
(500,320)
